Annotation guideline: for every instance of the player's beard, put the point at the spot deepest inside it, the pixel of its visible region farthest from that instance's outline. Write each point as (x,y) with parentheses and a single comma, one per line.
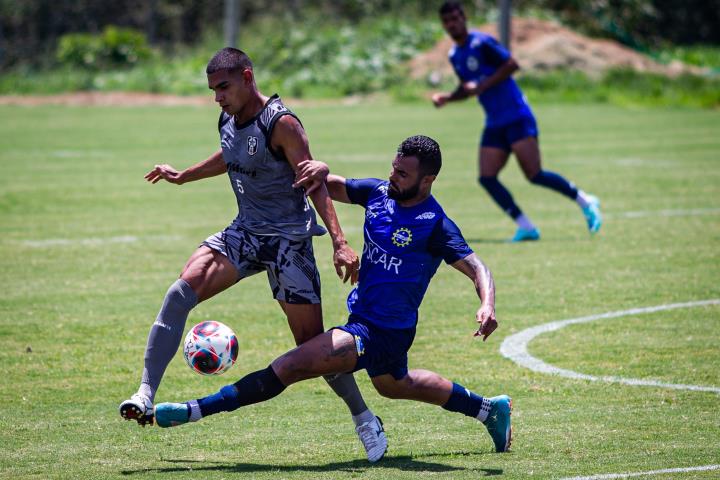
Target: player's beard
(401,195)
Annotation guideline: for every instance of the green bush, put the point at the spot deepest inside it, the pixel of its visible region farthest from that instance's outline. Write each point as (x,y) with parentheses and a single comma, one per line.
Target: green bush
(114,47)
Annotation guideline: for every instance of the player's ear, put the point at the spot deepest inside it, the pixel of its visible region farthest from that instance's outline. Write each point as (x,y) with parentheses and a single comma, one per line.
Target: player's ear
(428,180)
(248,76)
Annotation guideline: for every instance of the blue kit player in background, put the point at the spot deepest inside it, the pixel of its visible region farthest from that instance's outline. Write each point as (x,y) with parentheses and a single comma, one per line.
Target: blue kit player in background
(485,69)
(407,236)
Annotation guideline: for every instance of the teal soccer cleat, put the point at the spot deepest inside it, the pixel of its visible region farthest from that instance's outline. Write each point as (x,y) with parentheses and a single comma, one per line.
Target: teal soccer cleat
(171,414)
(498,422)
(593,215)
(525,235)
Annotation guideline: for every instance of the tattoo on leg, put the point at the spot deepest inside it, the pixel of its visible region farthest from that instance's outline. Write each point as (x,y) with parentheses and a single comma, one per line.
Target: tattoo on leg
(340,351)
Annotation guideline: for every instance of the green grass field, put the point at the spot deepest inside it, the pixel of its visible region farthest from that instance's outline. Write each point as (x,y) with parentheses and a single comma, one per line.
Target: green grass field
(88,250)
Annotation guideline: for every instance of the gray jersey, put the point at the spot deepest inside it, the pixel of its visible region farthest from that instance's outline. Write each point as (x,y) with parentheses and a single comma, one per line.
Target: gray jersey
(262,178)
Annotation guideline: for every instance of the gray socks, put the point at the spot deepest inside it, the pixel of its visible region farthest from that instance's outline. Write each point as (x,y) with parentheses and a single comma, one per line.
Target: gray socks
(166,334)
(345,387)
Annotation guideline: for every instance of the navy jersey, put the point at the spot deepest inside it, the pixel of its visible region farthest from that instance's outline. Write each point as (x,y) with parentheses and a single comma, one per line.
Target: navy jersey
(402,251)
(478,58)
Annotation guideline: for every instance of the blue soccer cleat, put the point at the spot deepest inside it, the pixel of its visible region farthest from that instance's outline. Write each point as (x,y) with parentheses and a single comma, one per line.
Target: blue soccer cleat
(171,414)
(498,422)
(593,215)
(526,235)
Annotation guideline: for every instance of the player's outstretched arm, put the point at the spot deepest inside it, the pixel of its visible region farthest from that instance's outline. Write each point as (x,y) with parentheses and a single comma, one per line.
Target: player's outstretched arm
(211,167)
(503,72)
(460,93)
(311,173)
(478,272)
(289,138)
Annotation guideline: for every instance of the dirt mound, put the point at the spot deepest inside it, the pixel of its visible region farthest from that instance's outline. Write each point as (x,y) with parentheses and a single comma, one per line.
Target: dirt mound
(540,45)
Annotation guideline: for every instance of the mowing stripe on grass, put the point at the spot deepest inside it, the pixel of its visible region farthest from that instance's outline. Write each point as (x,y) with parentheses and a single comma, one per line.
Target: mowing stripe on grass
(515,347)
(94,241)
(665,213)
(608,476)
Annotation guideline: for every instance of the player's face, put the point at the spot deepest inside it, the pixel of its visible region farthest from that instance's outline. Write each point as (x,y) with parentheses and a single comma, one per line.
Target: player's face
(232,90)
(455,24)
(405,178)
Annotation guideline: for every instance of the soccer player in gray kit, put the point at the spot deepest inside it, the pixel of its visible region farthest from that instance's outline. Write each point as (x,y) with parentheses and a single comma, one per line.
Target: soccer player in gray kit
(262,144)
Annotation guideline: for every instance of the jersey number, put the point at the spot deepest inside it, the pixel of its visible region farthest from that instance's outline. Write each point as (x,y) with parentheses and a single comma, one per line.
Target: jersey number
(238,183)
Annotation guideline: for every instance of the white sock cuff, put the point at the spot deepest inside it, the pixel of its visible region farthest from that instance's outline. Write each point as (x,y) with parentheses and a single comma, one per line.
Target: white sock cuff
(195,413)
(484,410)
(364,417)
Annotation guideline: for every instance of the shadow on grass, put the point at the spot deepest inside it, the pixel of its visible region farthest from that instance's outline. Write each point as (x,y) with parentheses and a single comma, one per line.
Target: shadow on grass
(403,462)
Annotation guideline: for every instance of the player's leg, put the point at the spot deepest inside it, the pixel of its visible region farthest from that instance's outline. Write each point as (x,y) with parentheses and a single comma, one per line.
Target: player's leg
(527,151)
(328,353)
(429,387)
(305,322)
(205,274)
(296,286)
(493,158)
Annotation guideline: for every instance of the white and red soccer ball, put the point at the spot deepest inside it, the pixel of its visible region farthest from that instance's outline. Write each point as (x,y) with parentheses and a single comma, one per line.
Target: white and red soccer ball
(210,348)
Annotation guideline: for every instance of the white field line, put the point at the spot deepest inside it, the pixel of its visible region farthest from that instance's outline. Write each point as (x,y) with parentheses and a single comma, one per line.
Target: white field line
(665,213)
(515,347)
(608,476)
(95,241)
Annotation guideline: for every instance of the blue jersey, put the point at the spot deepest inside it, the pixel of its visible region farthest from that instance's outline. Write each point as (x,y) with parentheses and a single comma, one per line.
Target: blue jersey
(478,58)
(402,251)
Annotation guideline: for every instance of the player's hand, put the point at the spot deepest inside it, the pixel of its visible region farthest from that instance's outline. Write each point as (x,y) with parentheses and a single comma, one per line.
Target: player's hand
(163,172)
(440,99)
(346,257)
(310,174)
(471,88)
(485,316)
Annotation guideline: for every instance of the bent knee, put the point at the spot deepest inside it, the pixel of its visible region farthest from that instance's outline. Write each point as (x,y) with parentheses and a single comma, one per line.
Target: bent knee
(487,181)
(396,390)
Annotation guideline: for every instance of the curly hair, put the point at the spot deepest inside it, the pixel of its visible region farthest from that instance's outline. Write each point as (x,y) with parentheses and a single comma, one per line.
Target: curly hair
(426,150)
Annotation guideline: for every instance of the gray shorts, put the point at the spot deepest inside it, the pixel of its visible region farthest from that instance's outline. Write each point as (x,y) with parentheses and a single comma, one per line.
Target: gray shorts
(290,264)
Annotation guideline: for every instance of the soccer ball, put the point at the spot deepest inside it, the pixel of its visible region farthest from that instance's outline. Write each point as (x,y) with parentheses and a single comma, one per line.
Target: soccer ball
(211,348)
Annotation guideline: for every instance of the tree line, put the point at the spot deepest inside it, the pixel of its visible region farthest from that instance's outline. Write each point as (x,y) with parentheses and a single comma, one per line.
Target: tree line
(30,29)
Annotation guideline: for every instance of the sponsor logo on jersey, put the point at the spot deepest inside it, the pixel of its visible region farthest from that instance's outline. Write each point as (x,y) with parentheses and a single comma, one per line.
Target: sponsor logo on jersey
(378,256)
(425,216)
(235,167)
(252,145)
(472,64)
(402,237)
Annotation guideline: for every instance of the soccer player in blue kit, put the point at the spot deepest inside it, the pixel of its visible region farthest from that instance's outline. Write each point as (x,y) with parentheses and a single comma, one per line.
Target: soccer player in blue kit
(407,236)
(485,70)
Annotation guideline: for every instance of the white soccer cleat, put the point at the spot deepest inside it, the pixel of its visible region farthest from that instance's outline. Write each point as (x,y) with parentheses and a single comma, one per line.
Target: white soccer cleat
(138,408)
(372,436)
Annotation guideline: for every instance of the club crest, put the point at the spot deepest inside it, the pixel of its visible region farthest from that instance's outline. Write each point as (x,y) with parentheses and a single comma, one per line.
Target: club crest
(252,145)
(402,237)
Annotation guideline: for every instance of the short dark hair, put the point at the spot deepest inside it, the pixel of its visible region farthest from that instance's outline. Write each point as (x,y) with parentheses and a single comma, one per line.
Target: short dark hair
(230,59)
(449,7)
(426,150)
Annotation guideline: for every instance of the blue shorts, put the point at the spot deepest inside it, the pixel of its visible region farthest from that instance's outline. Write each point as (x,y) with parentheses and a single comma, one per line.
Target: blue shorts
(503,137)
(380,350)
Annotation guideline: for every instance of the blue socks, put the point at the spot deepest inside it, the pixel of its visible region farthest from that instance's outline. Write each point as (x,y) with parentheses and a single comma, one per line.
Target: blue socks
(466,402)
(555,182)
(501,195)
(544,178)
(252,388)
